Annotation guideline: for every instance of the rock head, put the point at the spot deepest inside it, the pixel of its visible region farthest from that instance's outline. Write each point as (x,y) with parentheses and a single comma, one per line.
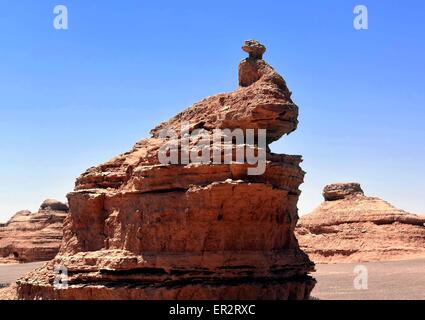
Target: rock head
(29,237)
(351,227)
(53,205)
(338,191)
(140,228)
(254,49)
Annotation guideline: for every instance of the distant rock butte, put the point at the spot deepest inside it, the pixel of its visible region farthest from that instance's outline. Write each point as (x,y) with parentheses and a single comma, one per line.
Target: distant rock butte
(139,229)
(351,227)
(28,237)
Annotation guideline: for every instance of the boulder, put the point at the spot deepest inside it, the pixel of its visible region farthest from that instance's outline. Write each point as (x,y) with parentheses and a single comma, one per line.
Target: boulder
(29,237)
(53,205)
(338,191)
(351,227)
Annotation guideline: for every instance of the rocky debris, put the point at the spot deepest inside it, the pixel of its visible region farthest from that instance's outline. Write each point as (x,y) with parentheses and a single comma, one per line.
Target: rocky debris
(8,293)
(29,237)
(351,227)
(140,229)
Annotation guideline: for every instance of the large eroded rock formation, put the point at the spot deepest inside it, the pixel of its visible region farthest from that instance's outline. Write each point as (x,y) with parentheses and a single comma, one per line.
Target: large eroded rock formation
(28,237)
(350,227)
(139,229)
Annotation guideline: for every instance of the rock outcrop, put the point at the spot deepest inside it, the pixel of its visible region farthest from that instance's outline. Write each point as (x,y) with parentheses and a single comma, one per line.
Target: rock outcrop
(142,229)
(351,227)
(340,191)
(29,237)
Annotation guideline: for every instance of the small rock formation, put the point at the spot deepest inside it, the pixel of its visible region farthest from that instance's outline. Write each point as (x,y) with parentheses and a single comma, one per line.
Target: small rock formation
(53,205)
(29,237)
(141,229)
(254,49)
(351,227)
(340,191)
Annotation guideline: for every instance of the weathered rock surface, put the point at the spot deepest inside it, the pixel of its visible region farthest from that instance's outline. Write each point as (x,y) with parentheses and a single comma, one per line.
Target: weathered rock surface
(139,229)
(351,227)
(28,237)
(340,191)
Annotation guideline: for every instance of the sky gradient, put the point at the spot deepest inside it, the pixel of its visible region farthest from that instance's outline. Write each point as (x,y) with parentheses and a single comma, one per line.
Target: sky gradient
(73,99)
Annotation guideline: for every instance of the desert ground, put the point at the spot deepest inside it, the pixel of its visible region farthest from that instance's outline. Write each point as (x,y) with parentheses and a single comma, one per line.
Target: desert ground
(390,280)
(9,273)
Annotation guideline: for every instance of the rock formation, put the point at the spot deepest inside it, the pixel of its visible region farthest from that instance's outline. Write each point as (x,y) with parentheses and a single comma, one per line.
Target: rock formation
(36,236)
(339,191)
(351,227)
(142,229)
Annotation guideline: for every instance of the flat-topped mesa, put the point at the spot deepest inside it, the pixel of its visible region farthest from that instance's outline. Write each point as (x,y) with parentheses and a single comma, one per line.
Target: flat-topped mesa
(262,101)
(141,228)
(338,191)
(351,227)
(37,236)
(53,205)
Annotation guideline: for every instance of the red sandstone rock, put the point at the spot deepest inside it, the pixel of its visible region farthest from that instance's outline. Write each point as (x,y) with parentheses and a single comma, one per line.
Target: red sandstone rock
(340,191)
(139,229)
(356,228)
(254,49)
(36,236)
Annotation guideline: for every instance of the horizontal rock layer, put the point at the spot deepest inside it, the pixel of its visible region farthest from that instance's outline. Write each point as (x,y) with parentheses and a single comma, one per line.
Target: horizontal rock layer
(28,237)
(357,228)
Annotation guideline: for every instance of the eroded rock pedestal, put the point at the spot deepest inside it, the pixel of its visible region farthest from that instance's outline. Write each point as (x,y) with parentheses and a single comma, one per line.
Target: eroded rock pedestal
(29,237)
(351,227)
(139,229)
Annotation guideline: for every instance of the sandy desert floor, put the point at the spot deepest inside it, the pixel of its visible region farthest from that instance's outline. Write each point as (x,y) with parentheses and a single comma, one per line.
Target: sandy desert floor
(9,273)
(392,280)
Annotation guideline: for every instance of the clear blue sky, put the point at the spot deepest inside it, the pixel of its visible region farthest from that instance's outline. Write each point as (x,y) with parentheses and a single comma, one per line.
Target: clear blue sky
(73,99)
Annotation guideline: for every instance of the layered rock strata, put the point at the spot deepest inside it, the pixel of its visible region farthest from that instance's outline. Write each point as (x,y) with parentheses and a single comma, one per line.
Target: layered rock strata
(142,229)
(351,227)
(29,237)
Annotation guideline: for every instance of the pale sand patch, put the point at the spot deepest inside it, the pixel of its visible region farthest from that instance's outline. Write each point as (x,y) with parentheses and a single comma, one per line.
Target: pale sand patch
(8,293)
(9,273)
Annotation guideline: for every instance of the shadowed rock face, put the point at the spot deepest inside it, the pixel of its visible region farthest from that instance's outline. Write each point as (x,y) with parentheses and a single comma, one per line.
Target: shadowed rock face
(28,237)
(351,227)
(139,229)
